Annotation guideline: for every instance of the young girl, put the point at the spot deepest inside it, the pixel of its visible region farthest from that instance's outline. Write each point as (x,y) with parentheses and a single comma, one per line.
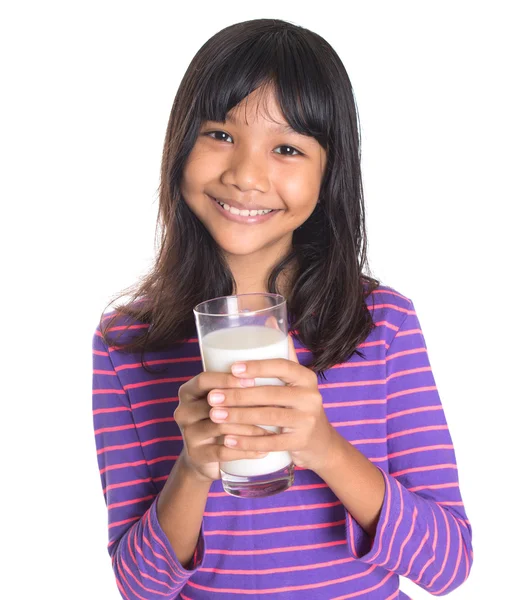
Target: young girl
(261,191)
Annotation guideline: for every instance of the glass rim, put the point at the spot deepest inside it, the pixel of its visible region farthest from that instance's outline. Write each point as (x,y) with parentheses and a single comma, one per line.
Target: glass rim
(250,313)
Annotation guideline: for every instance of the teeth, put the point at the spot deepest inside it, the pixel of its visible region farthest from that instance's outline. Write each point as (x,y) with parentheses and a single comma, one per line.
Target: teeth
(243,213)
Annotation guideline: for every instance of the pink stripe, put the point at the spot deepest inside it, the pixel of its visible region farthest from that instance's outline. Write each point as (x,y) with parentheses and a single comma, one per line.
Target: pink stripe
(367,590)
(458,560)
(373,554)
(406,353)
(421,449)
(165,361)
(341,384)
(407,372)
(101,372)
(149,562)
(428,388)
(392,436)
(129,502)
(277,529)
(100,411)
(96,392)
(289,569)
(355,403)
(397,523)
(117,523)
(423,469)
(387,324)
(407,539)
(435,486)
(145,575)
(447,548)
(413,411)
(141,585)
(414,556)
(114,486)
(433,557)
(267,511)
(127,582)
(141,384)
(360,422)
(174,568)
(120,447)
(393,307)
(274,550)
(100,353)
(181,572)
(291,588)
(159,401)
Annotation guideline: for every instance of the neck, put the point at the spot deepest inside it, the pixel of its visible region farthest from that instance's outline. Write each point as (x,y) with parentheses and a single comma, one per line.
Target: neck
(251,274)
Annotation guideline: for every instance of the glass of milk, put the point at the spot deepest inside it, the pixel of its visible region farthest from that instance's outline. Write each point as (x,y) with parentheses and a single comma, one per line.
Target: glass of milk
(239,328)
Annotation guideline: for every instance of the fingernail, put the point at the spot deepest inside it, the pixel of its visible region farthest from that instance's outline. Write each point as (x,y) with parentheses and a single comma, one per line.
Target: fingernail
(231,442)
(216,398)
(238,368)
(219,414)
(247,382)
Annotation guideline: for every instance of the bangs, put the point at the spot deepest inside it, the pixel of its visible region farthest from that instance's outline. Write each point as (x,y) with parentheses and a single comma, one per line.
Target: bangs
(288,67)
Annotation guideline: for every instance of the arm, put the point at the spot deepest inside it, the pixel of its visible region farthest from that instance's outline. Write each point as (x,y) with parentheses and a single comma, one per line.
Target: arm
(422,531)
(144,561)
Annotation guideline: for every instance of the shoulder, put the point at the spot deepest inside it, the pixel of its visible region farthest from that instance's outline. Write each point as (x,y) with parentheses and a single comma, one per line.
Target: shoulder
(118,326)
(389,308)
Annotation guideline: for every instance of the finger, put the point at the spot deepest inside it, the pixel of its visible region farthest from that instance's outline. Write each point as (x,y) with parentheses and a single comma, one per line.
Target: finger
(221,453)
(272,443)
(265,415)
(206,431)
(199,386)
(266,395)
(288,371)
(188,413)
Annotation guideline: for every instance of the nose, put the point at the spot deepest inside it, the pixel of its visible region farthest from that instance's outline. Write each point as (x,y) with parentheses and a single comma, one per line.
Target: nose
(247,170)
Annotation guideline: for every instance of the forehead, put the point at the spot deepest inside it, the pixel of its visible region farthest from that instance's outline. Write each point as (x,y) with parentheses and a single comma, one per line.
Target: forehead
(259,107)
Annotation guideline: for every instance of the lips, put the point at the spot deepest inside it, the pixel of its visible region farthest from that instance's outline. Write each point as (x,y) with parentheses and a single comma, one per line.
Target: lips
(236,216)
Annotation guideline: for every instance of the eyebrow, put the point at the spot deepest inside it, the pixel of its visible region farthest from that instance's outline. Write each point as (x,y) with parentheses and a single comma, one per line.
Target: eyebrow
(280,128)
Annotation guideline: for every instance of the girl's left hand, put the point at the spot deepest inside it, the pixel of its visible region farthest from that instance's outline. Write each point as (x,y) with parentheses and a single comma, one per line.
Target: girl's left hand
(296,407)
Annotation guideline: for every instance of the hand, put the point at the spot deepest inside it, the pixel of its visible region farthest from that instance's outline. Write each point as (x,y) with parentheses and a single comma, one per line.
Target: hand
(203,447)
(297,408)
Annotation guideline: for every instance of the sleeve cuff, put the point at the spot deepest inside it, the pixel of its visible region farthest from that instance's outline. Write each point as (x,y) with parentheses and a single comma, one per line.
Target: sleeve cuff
(360,544)
(199,553)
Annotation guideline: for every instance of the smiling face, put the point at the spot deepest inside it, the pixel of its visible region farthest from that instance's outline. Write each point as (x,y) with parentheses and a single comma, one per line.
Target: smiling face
(251,164)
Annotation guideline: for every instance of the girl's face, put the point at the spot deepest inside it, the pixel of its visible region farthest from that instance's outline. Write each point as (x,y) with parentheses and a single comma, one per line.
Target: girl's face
(251,166)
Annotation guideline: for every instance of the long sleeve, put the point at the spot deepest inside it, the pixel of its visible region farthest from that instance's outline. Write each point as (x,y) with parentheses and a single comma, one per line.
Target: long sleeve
(423,532)
(143,560)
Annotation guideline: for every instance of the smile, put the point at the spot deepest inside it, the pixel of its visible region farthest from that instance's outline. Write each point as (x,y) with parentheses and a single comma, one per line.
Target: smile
(243,216)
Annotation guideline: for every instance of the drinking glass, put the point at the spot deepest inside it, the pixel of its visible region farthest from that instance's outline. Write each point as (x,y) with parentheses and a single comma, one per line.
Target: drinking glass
(239,328)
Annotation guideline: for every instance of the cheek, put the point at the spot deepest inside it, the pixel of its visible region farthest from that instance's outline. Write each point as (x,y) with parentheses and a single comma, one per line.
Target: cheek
(300,192)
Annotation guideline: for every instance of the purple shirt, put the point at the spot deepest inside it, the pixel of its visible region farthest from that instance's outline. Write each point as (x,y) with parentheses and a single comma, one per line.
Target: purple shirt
(301,543)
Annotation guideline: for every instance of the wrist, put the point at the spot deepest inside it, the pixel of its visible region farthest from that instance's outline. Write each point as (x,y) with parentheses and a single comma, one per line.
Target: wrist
(335,449)
(190,474)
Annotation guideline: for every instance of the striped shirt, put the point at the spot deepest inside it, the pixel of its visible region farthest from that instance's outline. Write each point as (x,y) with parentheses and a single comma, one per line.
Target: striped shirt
(301,543)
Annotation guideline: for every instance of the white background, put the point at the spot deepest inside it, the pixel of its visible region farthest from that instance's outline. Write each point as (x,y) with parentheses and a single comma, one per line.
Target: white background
(442,90)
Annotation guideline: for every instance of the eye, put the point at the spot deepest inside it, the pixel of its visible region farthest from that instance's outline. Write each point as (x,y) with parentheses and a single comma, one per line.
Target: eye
(291,148)
(292,151)
(211,133)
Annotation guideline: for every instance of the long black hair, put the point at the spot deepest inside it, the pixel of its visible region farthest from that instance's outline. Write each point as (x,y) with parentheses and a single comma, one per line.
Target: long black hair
(326,302)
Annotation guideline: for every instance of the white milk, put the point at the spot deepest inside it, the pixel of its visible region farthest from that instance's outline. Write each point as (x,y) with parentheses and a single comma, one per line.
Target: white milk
(221,349)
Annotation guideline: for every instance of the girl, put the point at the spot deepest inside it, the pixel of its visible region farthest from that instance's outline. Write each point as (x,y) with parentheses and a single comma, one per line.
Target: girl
(261,191)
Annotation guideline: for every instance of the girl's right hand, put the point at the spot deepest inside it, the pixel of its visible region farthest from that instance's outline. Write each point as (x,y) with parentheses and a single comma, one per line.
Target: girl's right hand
(203,447)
